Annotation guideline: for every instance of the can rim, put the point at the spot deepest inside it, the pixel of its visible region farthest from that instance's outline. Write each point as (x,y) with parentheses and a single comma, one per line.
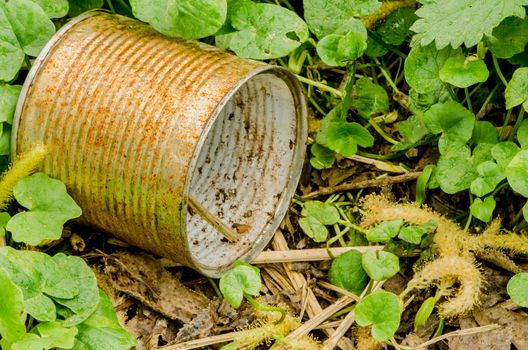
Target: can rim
(39,61)
(294,172)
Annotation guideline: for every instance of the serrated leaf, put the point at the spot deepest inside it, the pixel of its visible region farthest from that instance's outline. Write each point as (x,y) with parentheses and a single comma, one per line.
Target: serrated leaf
(187,19)
(384,231)
(347,272)
(11,54)
(49,206)
(102,330)
(238,281)
(517,173)
(322,157)
(490,175)
(463,72)
(483,209)
(484,132)
(422,67)
(31,25)
(450,118)
(344,137)
(264,31)
(396,27)
(8,100)
(517,289)
(381,310)
(12,316)
(380,265)
(325,17)
(517,90)
(457,22)
(370,98)
(509,38)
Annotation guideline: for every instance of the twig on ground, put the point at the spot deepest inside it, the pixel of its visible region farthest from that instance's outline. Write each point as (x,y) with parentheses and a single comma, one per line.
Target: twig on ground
(301,255)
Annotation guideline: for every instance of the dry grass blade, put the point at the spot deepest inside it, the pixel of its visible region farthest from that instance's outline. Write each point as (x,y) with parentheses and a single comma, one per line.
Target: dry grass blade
(302,255)
(467,331)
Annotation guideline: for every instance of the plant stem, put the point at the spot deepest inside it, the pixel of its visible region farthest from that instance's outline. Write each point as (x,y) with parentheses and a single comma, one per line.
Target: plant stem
(488,99)
(319,85)
(470,216)
(125,5)
(505,124)
(499,72)
(261,307)
(110,5)
(27,61)
(387,76)
(215,287)
(468,99)
(517,125)
(381,132)
(451,92)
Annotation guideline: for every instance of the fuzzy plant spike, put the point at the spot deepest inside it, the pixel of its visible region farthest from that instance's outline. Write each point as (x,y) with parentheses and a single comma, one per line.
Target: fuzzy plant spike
(384,11)
(22,166)
(507,241)
(446,272)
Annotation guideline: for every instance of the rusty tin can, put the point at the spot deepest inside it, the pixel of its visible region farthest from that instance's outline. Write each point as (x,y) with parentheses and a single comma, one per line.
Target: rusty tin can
(138,122)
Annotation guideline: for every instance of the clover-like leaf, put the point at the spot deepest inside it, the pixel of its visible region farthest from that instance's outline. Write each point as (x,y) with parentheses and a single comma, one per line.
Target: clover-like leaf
(414,234)
(490,176)
(517,173)
(12,316)
(314,228)
(450,118)
(517,90)
(8,100)
(344,137)
(337,49)
(49,206)
(457,22)
(322,157)
(483,209)
(384,231)
(381,310)
(316,215)
(422,67)
(347,272)
(380,265)
(503,153)
(463,71)
(11,55)
(325,17)
(517,289)
(370,98)
(239,280)
(263,31)
(187,19)
(509,38)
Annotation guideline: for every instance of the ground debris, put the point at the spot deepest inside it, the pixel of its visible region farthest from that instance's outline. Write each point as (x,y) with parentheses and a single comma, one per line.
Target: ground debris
(516,321)
(142,277)
(497,339)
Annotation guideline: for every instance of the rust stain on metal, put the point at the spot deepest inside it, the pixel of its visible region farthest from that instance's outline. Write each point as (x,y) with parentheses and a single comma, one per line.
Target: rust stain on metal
(139,121)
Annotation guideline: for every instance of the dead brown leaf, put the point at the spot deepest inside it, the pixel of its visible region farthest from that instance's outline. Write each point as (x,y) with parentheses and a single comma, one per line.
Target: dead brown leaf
(515,321)
(497,339)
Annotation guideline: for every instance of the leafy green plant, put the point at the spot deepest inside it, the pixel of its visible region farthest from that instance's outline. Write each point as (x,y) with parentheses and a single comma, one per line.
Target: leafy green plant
(518,289)
(381,310)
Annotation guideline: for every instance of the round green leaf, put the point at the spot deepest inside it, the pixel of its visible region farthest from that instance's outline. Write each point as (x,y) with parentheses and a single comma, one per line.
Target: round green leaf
(490,176)
(49,206)
(396,27)
(370,98)
(463,71)
(380,265)
(325,213)
(484,132)
(381,310)
(41,307)
(503,153)
(455,172)
(54,8)
(314,229)
(384,231)
(483,209)
(12,316)
(351,46)
(347,272)
(264,31)
(450,118)
(517,173)
(11,54)
(344,137)
(8,100)
(187,19)
(327,49)
(240,280)
(518,289)
(322,157)
(522,134)
(414,234)
(517,90)
(509,38)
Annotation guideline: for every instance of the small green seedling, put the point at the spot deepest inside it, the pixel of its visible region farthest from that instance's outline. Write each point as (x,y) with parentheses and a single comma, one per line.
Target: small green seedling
(243,281)
(381,310)
(380,265)
(347,272)
(316,215)
(518,289)
(384,231)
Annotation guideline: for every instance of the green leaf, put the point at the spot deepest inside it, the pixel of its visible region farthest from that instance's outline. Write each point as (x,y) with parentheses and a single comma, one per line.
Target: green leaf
(313,229)
(384,231)
(52,335)
(517,173)
(381,310)
(240,280)
(450,118)
(325,213)
(5,139)
(457,22)
(509,38)
(374,48)
(482,153)
(102,331)
(423,313)
(322,157)
(187,19)
(484,132)
(380,265)
(76,7)
(30,24)
(264,31)
(49,206)
(12,316)
(421,102)
(463,71)
(230,346)
(422,67)
(8,100)
(412,129)
(396,27)
(517,90)
(11,54)
(344,137)
(503,153)
(85,302)
(41,308)
(490,176)
(518,289)
(326,17)
(414,234)
(522,134)
(483,209)
(337,49)
(455,172)
(370,98)
(53,8)
(347,272)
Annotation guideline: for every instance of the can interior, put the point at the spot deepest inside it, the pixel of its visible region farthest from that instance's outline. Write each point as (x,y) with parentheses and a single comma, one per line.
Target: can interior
(245,172)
